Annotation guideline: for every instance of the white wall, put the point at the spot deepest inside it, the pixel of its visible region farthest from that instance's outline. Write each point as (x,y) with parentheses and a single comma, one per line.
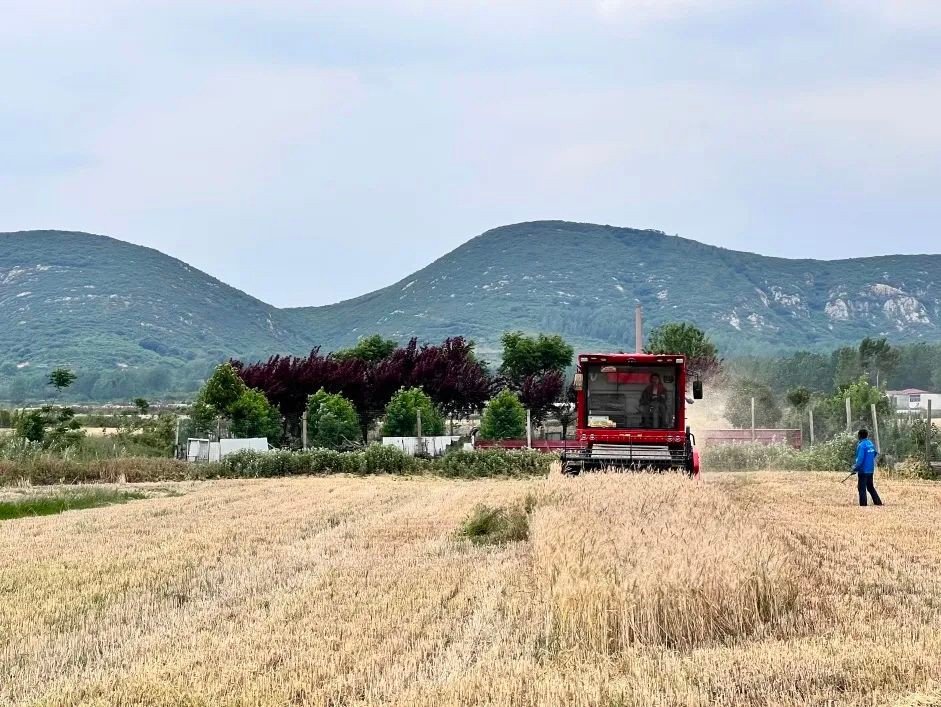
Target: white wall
(435,446)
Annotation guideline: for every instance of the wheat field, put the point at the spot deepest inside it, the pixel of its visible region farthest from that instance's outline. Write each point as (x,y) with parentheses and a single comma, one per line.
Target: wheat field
(744,589)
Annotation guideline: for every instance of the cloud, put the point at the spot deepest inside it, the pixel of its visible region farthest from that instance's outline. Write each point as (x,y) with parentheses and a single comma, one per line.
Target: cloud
(923,14)
(651,10)
(214,141)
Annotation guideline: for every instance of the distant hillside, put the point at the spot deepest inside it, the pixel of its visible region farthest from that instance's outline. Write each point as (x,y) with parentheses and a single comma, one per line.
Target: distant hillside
(83,300)
(79,299)
(582,280)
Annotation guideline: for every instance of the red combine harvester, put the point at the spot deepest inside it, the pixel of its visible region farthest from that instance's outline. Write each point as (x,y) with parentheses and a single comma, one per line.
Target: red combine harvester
(631,414)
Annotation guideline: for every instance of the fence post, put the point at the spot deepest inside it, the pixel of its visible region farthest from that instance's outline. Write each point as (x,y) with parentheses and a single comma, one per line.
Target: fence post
(811,412)
(928,430)
(304,431)
(752,419)
(875,428)
(529,429)
(418,443)
(176,443)
(849,416)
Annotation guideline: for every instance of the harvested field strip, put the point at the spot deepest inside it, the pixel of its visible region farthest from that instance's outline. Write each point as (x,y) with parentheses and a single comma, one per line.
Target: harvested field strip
(749,589)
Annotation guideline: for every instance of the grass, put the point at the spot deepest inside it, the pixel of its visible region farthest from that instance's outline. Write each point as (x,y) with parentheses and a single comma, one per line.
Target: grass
(73,500)
(489,525)
(630,589)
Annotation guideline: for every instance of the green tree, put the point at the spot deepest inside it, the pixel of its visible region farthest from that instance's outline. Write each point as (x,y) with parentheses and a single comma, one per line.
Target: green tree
(798,398)
(371,349)
(142,405)
(533,355)
(252,415)
(401,414)
(31,425)
(51,426)
(223,389)
(504,417)
(203,417)
(702,357)
(61,378)
(878,359)
(847,367)
(332,421)
(862,396)
(738,405)
(681,338)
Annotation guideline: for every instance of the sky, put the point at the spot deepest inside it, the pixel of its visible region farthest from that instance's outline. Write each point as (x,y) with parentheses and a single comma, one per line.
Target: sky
(308,152)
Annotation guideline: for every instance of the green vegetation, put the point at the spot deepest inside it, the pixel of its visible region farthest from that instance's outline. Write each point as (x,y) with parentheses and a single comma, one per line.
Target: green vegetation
(504,417)
(681,338)
(489,525)
(246,412)
(45,469)
(533,355)
(50,504)
(371,349)
(834,455)
(252,415)
(402,415)
(332,422)
(61,378)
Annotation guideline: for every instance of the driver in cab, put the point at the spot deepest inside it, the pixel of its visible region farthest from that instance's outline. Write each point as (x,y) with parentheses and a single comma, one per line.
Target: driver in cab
(653,403)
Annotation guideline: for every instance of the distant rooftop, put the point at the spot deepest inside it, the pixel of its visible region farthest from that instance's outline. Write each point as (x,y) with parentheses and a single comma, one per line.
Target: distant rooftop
(909,391)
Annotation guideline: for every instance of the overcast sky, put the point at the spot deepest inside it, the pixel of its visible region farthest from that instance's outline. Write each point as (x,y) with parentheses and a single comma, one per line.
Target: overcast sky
(307,152)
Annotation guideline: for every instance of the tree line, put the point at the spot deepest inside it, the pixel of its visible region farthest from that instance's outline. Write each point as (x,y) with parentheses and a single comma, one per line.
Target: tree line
(346,391)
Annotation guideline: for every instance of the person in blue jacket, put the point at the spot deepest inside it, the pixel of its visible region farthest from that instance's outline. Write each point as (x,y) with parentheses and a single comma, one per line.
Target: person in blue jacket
(865,468)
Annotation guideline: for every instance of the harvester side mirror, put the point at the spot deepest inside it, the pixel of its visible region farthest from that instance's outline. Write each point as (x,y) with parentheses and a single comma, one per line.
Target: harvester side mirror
(697,390)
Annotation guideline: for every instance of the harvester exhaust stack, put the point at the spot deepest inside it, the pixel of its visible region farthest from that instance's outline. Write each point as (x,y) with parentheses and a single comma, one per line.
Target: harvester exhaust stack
(638,329)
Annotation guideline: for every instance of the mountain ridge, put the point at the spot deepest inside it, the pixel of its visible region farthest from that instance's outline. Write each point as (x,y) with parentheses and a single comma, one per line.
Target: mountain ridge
(67,297)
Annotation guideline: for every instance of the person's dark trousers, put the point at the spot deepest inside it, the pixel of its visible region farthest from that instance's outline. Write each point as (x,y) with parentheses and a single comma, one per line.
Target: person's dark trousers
(865,483)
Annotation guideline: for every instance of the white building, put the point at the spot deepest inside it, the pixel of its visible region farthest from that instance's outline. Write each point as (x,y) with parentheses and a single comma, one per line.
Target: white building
(915,400)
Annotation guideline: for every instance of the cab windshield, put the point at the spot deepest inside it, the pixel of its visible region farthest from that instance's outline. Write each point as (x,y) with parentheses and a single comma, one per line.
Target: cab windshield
(630,397)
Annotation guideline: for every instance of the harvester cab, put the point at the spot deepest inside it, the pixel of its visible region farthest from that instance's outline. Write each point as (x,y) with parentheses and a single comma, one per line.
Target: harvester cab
(631,414)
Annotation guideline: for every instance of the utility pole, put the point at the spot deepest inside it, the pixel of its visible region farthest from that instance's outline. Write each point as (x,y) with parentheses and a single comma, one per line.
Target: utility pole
(529,429)
(811,413)
(638,329)
(849,416)
(304,431)
(875,427)
(752,419)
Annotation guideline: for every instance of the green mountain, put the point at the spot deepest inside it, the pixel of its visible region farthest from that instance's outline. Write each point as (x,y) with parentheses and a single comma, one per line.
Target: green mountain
(77,299)
(582,280)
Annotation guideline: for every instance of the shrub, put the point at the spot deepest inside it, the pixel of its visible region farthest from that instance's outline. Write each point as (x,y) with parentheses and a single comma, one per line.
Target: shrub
(504,417)
(332,421)
(494,462)
(402,414)
(832,455)
(914,467)
(487,525)
(28,461)
(383,459)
